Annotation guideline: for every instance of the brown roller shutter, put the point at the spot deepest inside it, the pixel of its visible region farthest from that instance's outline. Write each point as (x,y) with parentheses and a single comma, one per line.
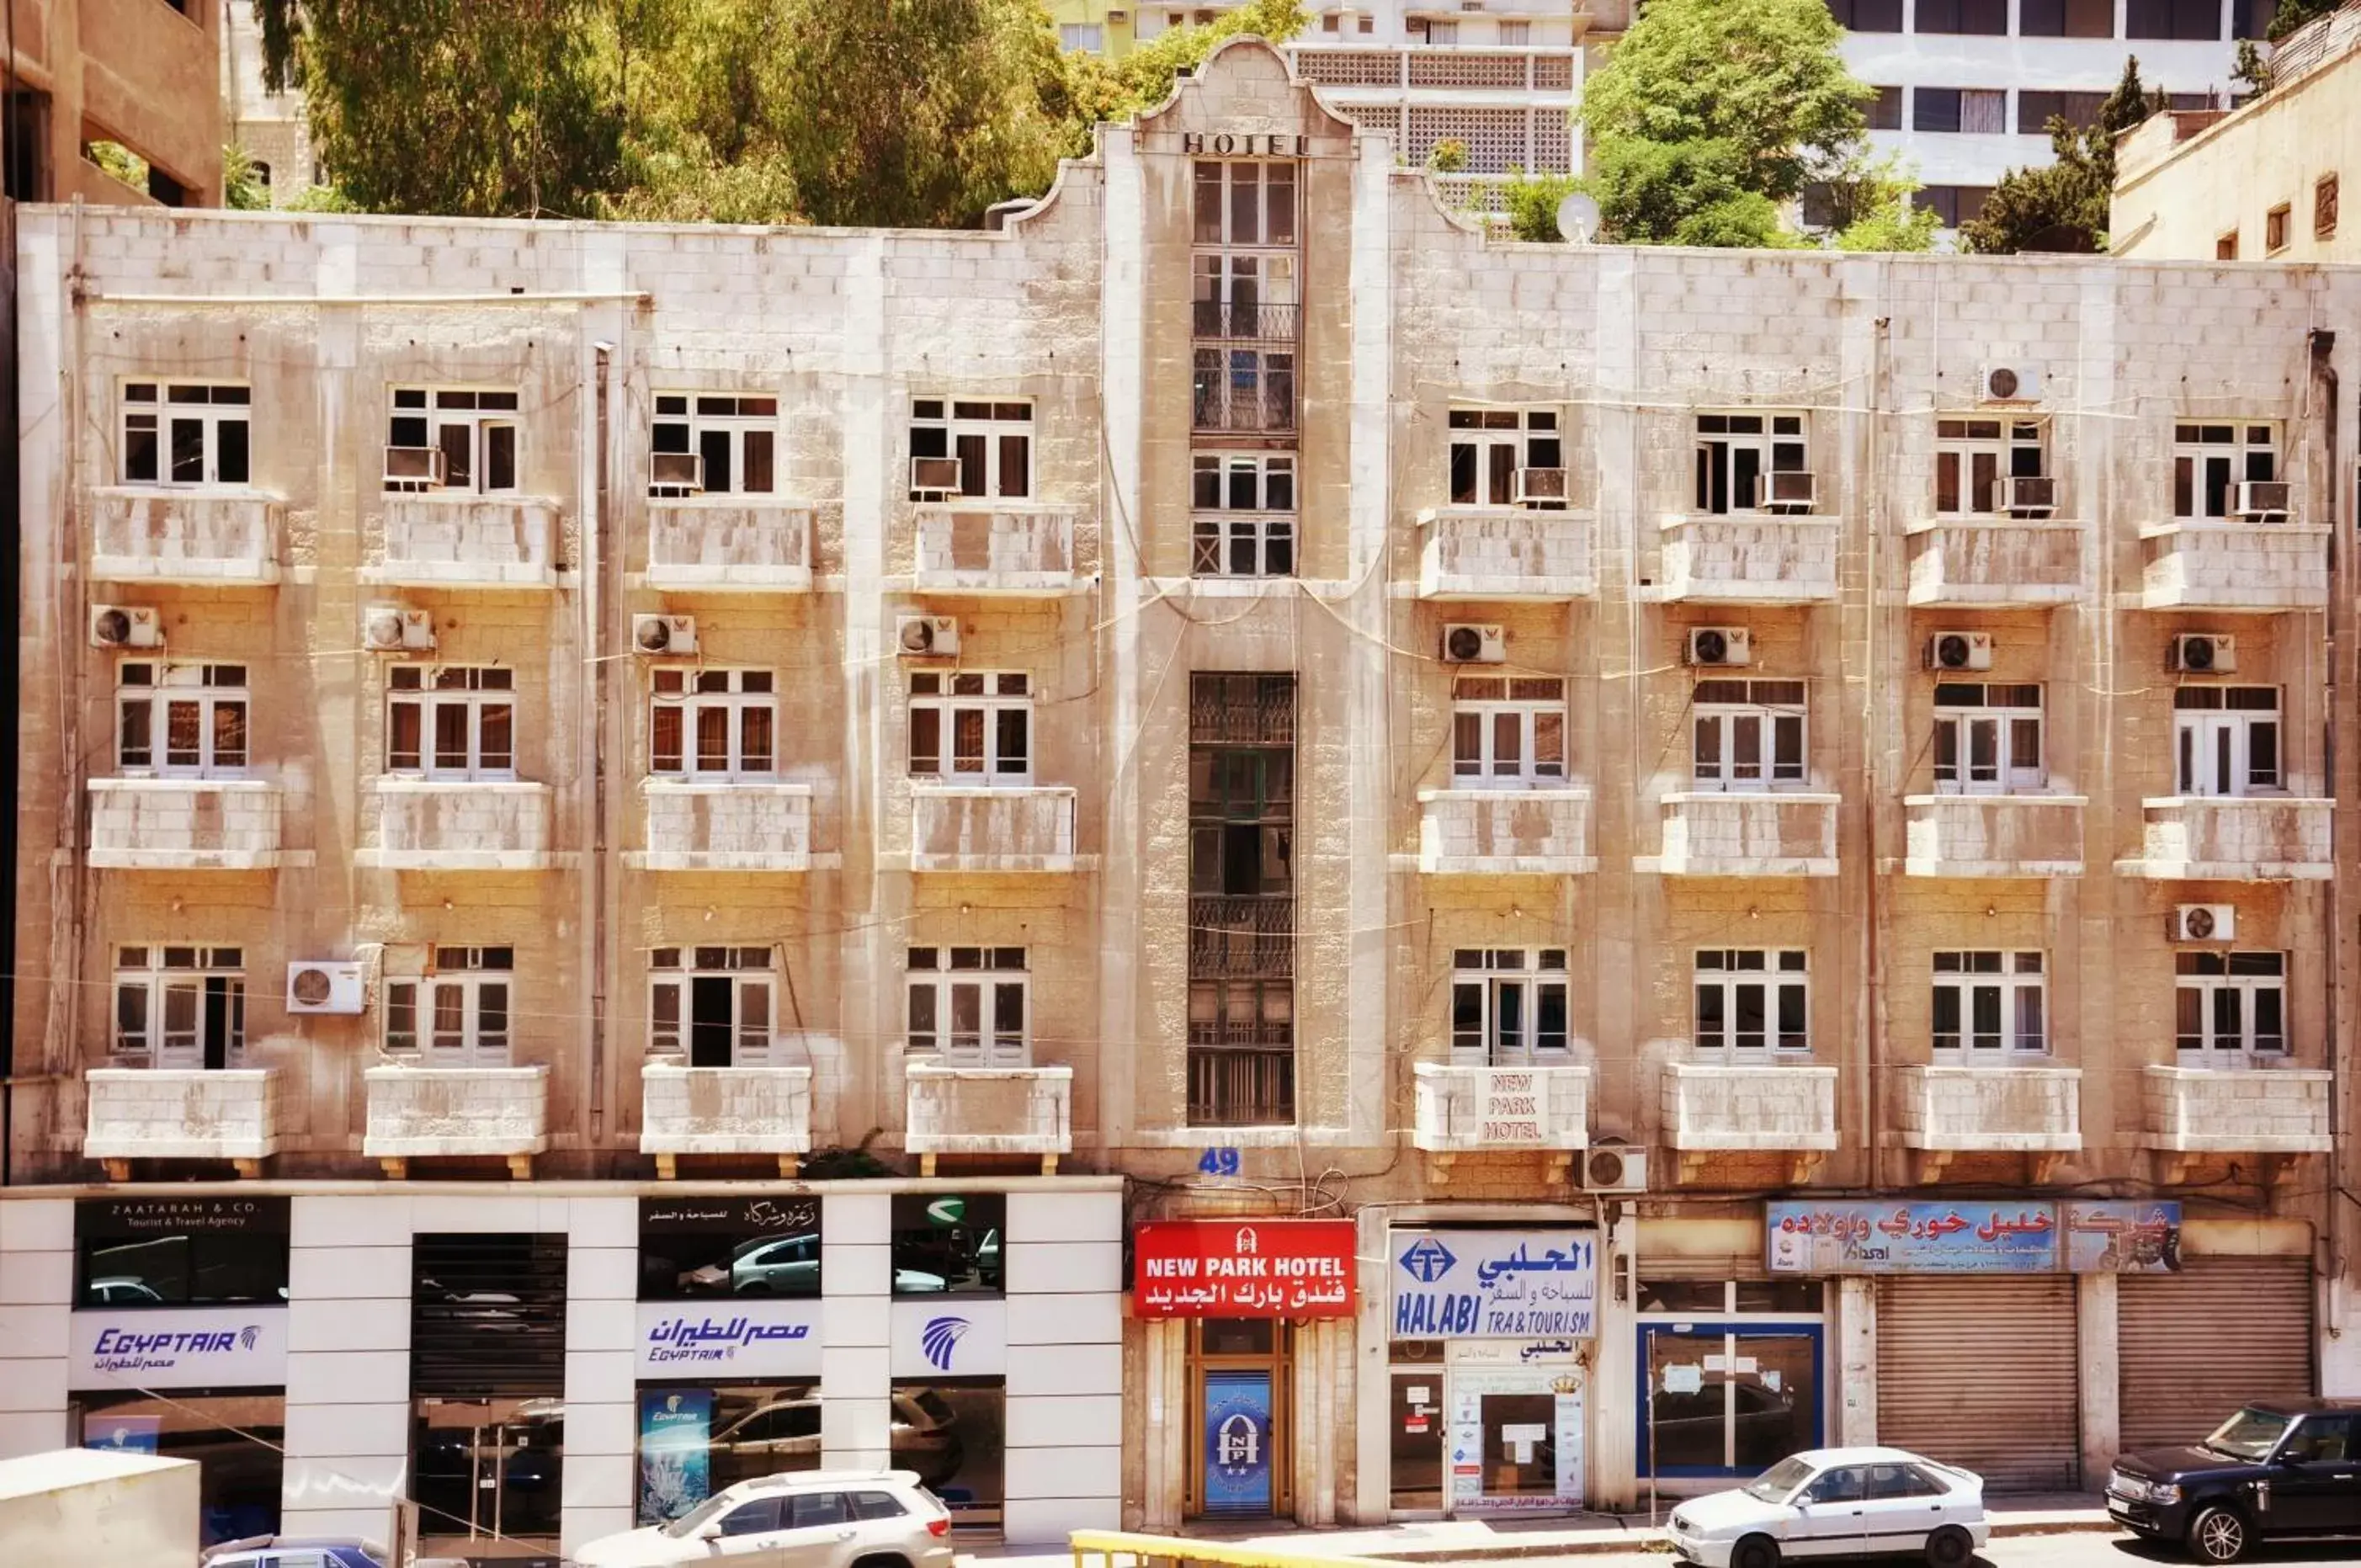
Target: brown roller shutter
(2193,1347)
(1981,1373)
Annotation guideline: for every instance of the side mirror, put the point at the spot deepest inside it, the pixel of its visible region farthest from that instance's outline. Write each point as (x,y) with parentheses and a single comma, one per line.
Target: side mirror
(710,1530)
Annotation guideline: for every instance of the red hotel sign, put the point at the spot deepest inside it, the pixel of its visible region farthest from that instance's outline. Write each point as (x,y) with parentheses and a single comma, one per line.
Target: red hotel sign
(1243,1268)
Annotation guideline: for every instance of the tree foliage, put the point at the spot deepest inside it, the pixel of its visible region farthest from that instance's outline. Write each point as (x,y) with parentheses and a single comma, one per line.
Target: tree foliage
(1099,89)
(243,188)
(1869,206)
(2294,14)
(2063,207)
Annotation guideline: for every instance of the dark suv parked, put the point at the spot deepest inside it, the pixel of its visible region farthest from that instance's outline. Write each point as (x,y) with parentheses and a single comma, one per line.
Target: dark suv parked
(2267,1471)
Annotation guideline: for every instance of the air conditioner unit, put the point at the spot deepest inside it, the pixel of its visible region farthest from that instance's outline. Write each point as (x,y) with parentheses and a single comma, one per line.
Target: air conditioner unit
(1615,1167)
(413,467)
(1960,651)
(934,479)
(1538,487)
(678,472)
(323,985)
(665,634)
(1720,645)
(122,626)
(2025,494)
(1787,489)
(394,629)
(1470,645)
(927,636)
(2204,653)
(2010,383)
(2260,500)
(2204,923)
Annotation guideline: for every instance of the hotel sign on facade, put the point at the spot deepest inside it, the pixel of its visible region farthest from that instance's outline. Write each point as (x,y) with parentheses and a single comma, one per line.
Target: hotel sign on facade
(1243,1268)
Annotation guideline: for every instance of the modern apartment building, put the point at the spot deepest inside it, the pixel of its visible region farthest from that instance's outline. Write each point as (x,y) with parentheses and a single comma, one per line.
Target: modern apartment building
(1227,840)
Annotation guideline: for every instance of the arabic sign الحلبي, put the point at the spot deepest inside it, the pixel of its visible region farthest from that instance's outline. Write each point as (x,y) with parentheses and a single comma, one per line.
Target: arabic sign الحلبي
(730,1338)
(1243,1268)
(1451,1284)
(2006,1237)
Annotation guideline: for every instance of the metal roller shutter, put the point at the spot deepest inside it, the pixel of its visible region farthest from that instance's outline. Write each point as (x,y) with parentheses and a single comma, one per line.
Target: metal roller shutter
(1981,1373)
(2193,1347)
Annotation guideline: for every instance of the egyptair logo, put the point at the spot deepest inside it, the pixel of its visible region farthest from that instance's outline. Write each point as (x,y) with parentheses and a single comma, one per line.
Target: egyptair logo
(940,1337)
(249,1336)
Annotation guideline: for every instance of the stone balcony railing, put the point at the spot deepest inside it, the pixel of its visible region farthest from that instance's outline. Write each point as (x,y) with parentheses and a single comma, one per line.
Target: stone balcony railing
(734,827)
(1528,832)
(1483,1109)
(201,540)
(988,1111)
(425,1112)
(228,1114)
(689,1110)
(1749,558)
(1996,562)
(439,825)
(1711,1107)
(980,546)
(1707,833)
(2234,838)
(184,824)
(729,544)
(1951,1108)
(2234,565)
(2253,1111)
(1506,554)
(964,828)
(1993,835)
(454,539)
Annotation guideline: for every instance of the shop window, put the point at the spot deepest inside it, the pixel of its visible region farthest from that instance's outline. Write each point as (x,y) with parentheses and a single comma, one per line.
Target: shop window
(487,1371)
(713,724)
(178,1007)
(451,721)
(1728,1398)
(1990,1005)
(2229,1005)
(953,1431)
(962,448)
(692,1247)
(971,726)
(180,720)
(695,1440)
(1508,730)
(711,1006)
(719,446)
(2226,740)
(1987,738)
(181,1252)
(451,438)
(1507,456)
(185,432)
(233,1438)
(947,1243)
(2211,461)
(1746,735)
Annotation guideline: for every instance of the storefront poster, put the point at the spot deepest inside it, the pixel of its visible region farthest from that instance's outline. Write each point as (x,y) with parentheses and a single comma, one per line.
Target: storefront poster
(178,1347)
(124,1434)
(949,1337)
(676,1452)
(2114,1237)
(1492,1463)
(729,1217)
(730,1338)
(1237,1442)
(1967,1237)
(1243,1268)
(1451,1284)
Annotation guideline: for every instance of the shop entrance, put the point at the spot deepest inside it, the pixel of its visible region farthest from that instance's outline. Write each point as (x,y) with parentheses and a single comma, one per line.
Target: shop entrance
(487,1472)
(1241,1386)
(1732,1373)
(1515,1443)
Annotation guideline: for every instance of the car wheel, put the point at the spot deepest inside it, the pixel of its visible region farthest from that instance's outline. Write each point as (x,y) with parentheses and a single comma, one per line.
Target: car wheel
(1755,1552)
(1951,1547)
(2218,1535)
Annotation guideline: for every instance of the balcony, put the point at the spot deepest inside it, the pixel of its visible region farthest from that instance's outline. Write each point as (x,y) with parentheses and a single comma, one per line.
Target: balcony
(1506,554)
(762,1111)
(1712,834)
(438,825)
(1993,835)
(196,541)
(1749,558)
(1710,1107)
(1995,562)
(1241,935)
(184,824)
(1244,365)
(734,544)
(1950,1109)
(431,1112)
(1518,832)
(980,546)
(989,1111)
(2234,565)
(739,826)
(1498,1109)
(1240,1075)
(1362,74)
(2233,839)
(958,828)
(2273,1112)
(455,540)
(228,1114)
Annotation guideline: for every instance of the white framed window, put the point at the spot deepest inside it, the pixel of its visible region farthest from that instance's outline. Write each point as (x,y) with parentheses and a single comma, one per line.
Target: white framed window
(969,1005)
(1751,1000)
(1972,455)
(1736,453)
(1746,735)
(2226,740)
(1516,35)
(711,1006)
(470,433)
(2229,1006)
(734,439)
(1990,1005)
(1245,507)
(456,1014)
(1508,730)
(180,720)
(186,433)
(713,724)
(1988,739)
(180,1007)
(2209,461)
(1244,202)
(1089,38)
(1489,446)
(1244,290)
(992,442)
(971,726)
(1507,1004)
(451,721)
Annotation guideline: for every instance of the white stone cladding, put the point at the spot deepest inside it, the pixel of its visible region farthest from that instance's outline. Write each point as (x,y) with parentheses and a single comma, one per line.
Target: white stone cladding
(436,541)
(138,536)
(2261,1110)
(725,1110)
(2226,839)
(980,548)
(1997,564)
(2014,1107)
(187,825)
(416,1110)
(740,826)
(724,544)
(1993,835)
(440,825)
(2236,565)
(1497,553)
(1537,832)
(1716,1105)
(1466,1109)
(184,1113)
(989,1110)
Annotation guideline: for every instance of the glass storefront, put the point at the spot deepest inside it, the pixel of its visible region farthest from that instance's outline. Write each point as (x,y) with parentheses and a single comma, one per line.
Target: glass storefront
(694,1440)
(234,1439)
(1733,1376)
(953,1433)
(488,1469)
(1417,1423)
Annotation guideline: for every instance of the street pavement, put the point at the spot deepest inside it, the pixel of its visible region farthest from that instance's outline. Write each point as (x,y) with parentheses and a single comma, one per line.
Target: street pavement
(2085,1550)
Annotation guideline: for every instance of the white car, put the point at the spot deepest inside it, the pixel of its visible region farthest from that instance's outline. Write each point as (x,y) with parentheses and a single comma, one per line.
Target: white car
(810,1519)
(1838,1502)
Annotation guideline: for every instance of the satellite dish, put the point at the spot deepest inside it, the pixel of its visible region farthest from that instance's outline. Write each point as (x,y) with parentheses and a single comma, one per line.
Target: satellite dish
(1577,219)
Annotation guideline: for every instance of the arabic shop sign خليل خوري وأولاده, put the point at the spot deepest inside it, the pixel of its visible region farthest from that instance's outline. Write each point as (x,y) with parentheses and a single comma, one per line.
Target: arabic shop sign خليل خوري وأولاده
(1868,1236)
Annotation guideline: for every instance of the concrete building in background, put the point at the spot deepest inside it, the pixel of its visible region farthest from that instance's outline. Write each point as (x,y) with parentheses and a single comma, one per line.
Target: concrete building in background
(136,72)
(1226,841)
(270,126)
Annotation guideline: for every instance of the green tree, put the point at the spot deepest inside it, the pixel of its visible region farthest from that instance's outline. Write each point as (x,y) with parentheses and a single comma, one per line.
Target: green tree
(1532,200)
(1869,208)
(242,185)
(2063,207)
(2294,14)
(1098,89)
(1448,156)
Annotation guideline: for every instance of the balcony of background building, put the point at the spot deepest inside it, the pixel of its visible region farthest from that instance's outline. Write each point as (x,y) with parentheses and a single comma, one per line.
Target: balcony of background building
(728,544)
(1763,558)
(1710,833)
(1994,561)
(444,824)
(196,541)
(1712,1107)
(1507,553)
(184,824)
(988,1111)
(2270,1114)
(1387,74)
(436,1113)
(228,1114)
(454,539)
(983,545)
(1993,835)
(2236,564)
(1501,1110)
(734,827)
(761,1110)
(1532,832)
(1951,1108)
(968,827)
(2234,838)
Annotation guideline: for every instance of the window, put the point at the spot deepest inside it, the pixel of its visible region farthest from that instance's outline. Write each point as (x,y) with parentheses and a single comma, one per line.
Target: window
(1989,1003)
(985,719)
(2209,459)
(991,442)
(1953,204)
(457,1014)
(1241,1060)
(451,721)
(2188,19)
(2036,109)
(1089,38)
(1244,293)
(180,1007)
(713,724)
(1245,504)
(2067,18)
(1490,445)
(712,1004)
(183,721)
(1746,735)
(1886,110)
(1442,33)
(184,433)
(2252,18)
(2226,740)
(1972,455)
(27,147)
(967,1005)
(1734,453)
(1983,18)
(176,1251)
(731,438)
(1868,16)
(466,441)
(1935,109)
(2225,246)
(1987,739)
(2323,207)
(1508,1004)
(1508,730)
(2226,1004)
(1984,111)
(1243,203)
(1750,999)
(1516,35)
(2275,230)
(235,1440)
(947,1243)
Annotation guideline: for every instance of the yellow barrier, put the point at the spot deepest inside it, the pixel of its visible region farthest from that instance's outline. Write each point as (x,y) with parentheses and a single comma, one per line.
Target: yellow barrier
(1105,1546)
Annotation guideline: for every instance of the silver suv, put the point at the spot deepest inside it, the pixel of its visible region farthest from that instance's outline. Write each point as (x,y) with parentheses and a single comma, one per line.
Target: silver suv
(807,1518)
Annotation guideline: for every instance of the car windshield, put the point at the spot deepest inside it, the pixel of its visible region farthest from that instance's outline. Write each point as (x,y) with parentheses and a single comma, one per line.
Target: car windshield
(686,1525)
(2250,1434)
(1773,1485)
